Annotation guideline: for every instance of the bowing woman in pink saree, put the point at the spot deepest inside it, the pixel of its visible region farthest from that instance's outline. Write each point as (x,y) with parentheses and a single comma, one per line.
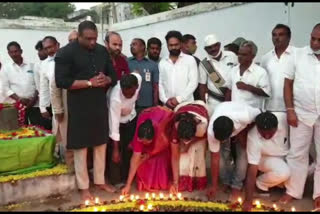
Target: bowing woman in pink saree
(150,162)
(188,147)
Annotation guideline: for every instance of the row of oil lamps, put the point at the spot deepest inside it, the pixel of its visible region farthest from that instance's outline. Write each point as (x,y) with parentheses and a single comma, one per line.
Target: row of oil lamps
(171,196)
(258,205)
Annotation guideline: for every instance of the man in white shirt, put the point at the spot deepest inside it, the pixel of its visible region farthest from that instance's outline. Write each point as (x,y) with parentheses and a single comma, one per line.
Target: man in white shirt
(267,147)
(42,56)
(18,84)
(178,73)
(276,62)
(214,71)
(58,97)
(228,120)
(301,94)
(122,123)
(51,46)
(248,82)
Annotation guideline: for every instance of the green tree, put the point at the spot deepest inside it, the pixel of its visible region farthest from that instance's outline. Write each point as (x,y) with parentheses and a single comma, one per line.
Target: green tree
(151,7)
(14,10)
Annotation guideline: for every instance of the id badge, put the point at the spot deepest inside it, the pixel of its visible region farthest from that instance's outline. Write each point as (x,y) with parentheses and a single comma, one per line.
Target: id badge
(148,76)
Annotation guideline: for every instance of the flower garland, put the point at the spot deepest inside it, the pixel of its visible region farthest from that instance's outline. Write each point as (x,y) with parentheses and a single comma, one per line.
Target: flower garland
(24,132)
(21,112)
(57,170)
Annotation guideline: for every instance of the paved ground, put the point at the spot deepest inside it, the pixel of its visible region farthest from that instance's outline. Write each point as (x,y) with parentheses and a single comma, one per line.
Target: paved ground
(72,199)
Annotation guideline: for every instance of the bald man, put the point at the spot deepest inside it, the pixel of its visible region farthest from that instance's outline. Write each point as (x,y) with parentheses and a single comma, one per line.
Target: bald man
(73,36)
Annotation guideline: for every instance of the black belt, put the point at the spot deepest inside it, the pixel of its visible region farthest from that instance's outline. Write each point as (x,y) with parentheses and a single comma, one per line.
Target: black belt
(216,96)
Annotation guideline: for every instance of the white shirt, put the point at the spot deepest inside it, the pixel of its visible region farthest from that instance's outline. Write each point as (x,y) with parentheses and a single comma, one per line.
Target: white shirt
(241,115)
(255,76)
(121,109)
(278,145)
(306,85)
(36,70)
(18,80)
(2,96)
(223,66)
(46,76)
(276,67)
(179,79)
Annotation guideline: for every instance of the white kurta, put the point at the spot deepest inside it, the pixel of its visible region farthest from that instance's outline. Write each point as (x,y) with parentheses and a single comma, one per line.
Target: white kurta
(179,79)
(241,115)
(276,68)
(255,76)
(269,154)
(306,90)
(18,80)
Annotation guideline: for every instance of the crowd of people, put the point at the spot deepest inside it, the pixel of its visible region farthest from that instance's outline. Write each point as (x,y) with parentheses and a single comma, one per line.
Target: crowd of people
(153,119)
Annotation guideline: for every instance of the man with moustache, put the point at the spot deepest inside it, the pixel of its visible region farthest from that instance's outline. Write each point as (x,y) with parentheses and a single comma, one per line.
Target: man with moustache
(42,54)
(51,46)
(214,72)
(154,49)
(276,62)
(149,72)
(189,46)
(84,68)
(178,73)
(113,43)
(18,84)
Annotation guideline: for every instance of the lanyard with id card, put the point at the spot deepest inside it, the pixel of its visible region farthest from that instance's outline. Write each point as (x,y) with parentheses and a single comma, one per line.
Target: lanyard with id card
(147,75)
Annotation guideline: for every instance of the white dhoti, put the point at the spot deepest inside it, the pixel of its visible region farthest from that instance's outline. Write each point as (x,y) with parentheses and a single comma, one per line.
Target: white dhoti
(301,138)
(275,171)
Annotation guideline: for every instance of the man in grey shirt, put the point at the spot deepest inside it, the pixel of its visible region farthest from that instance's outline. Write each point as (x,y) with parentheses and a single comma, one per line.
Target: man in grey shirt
(149,92)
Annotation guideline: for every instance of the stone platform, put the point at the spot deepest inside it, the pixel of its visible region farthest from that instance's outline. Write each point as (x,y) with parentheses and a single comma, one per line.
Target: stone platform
(36,188)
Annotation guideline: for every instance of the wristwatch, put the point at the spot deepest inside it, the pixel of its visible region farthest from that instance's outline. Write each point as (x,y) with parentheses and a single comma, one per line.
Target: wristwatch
(89,83)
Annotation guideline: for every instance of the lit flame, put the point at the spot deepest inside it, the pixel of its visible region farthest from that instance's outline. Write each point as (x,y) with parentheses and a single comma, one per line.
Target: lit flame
(132,197)
(170,195)
(147,195)
(258,204)
(95,209)
(121,197)
(142,207)
(87,202)
(293,209)
(274,206)
(240,200)
(161,195)
(179,195)
(149,206)
(96,200)
(137,197)
(153,195)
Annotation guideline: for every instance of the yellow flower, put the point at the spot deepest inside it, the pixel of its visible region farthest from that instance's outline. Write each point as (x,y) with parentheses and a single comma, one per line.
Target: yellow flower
(57,170)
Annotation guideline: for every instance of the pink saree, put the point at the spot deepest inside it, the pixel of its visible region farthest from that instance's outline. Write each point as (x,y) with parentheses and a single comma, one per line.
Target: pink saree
(155,173)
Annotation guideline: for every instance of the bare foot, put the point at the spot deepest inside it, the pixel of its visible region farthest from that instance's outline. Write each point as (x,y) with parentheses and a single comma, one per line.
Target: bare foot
(235,194)
(85,195)
(285,199)
(107,187)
